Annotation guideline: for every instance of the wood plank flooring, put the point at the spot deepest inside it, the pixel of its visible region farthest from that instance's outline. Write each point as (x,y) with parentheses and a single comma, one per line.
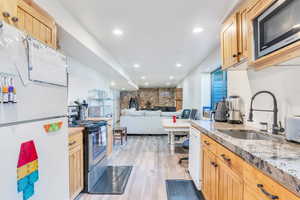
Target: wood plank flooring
(152,163)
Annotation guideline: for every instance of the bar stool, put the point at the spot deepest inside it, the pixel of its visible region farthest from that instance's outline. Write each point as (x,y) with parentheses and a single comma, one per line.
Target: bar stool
(119,133)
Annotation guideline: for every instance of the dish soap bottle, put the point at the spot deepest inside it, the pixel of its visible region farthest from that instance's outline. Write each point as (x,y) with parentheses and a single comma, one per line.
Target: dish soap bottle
(5,94)
(10,91)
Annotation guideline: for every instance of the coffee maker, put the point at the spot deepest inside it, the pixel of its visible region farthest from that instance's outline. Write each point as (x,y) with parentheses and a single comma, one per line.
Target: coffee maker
(234,110)
(83,110)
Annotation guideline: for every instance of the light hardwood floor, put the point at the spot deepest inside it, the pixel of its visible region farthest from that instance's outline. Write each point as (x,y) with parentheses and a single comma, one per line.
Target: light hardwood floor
(152,163)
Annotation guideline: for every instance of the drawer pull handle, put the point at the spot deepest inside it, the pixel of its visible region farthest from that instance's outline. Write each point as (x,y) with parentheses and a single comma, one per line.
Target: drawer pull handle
(72,143)
(261,187)
(15,19)
(225,158)
(6,14)
(207,143)
(214,164)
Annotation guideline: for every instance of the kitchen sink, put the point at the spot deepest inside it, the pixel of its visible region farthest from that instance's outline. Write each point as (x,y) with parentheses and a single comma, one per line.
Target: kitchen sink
(245,134)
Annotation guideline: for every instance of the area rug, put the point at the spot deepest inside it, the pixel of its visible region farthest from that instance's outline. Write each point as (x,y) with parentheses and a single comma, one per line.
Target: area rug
(113,181)
(182,190)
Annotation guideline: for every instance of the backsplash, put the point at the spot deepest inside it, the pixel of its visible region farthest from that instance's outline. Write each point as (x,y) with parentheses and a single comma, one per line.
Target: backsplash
(283,81)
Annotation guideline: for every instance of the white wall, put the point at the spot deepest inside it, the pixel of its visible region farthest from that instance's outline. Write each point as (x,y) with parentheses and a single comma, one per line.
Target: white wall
(283,81)
(82,79)
(196,86)
(117,106)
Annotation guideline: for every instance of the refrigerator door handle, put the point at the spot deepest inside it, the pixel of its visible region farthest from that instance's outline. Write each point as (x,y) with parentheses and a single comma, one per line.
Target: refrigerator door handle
(31,121)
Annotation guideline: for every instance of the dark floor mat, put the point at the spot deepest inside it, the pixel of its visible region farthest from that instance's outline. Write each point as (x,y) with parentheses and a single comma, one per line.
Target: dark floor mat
(182,190)
(113,181)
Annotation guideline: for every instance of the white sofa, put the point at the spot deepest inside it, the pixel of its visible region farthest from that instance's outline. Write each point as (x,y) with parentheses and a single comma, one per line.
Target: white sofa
(145,122)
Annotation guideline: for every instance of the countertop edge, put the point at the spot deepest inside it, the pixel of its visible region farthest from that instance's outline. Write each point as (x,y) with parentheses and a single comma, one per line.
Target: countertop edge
(260,164)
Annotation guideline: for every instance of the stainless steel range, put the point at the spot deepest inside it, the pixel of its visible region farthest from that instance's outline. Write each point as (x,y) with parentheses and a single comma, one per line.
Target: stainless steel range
(95,149)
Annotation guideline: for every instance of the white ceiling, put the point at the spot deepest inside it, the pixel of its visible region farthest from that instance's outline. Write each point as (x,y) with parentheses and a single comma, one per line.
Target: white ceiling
(87,57)
(157,33)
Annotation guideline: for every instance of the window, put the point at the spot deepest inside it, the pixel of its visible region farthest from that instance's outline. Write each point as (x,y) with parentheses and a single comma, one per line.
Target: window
(218,86)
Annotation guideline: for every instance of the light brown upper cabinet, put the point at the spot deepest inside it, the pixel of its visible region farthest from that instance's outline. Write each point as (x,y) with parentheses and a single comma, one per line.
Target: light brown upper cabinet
(234,35)
(8,9)
(30,18)
(242,33)
(229,43)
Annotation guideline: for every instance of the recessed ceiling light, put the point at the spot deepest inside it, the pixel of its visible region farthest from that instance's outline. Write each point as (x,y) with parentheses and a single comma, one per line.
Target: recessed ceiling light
(136,66)
(112,83)
(197,30)
(146,83)
(118,32)
(171,77)
(143,77)
(178,65)
(168,83)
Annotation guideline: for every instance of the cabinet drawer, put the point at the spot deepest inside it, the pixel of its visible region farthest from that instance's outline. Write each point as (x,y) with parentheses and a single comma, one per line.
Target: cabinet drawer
(250,194)
(209,143)
(75,140)
(263,186)
(230,159)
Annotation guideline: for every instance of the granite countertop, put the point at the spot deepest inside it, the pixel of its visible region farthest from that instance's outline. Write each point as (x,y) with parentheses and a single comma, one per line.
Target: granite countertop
(275,157)
(99,119)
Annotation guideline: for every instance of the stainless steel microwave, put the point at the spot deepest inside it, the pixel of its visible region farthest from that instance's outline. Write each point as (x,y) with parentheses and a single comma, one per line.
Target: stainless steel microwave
(277,27)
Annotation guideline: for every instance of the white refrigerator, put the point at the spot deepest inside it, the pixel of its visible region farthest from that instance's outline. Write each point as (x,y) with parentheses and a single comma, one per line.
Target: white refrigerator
(39,104)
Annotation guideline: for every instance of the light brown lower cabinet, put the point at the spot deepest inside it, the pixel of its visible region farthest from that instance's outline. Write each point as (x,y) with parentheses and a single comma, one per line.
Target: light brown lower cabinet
(227,177)
(75,164)
(210,175)
(250,194)
(219,181)
(230,184)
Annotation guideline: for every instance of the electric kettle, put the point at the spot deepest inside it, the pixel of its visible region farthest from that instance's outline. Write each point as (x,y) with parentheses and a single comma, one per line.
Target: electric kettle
(221,111)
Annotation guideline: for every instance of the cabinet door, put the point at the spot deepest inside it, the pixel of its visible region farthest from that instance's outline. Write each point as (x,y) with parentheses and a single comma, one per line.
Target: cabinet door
(242,39)
(36,25)
(230,184)
(76,170)
(210,176)
(229,46)
(8,9)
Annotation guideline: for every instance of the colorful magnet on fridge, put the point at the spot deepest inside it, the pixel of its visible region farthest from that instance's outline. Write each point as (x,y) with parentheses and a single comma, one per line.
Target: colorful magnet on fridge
(53,127)
(27,169)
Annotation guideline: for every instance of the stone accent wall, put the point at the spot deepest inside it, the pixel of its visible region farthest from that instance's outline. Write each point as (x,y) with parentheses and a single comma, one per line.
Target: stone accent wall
(125,98)
(148,95)
(156,96)
(166,97)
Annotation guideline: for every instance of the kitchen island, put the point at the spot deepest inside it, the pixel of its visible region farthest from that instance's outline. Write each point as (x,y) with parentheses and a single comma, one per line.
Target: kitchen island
(276,158)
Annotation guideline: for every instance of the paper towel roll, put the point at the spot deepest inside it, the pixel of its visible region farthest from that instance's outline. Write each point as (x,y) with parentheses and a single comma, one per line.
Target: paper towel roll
(293,128)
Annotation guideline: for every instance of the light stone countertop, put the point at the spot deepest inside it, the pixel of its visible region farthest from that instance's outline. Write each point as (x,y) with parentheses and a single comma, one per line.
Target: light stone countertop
(275,157)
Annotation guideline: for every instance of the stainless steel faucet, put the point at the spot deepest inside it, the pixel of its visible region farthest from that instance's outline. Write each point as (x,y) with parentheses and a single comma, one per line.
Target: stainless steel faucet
(275,128)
